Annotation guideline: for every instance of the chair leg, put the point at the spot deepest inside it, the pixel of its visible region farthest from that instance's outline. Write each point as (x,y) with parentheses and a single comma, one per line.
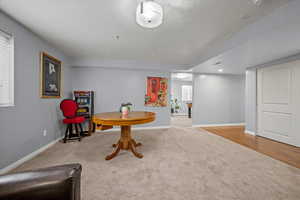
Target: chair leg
(81,129)
(77,131)
(70,130)
(76,128)
(94,127)
(66,134)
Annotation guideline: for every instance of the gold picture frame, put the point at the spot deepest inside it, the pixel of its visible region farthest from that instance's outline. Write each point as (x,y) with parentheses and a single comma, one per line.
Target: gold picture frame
(50,76)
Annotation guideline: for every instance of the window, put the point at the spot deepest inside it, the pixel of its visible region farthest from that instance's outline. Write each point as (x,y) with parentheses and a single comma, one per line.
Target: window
(187,92)
(6,70)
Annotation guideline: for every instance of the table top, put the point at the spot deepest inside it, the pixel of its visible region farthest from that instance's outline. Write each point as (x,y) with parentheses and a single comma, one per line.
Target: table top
(116,118)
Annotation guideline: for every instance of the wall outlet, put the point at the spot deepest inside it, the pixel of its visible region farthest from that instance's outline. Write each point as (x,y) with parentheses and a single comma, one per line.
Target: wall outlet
(44,132)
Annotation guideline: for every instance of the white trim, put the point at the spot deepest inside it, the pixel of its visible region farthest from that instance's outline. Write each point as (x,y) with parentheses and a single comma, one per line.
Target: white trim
(12,73)
(212,125)
(7,105)
(250,132)
(28,157)
(11,70)
(136,128)
(178,114)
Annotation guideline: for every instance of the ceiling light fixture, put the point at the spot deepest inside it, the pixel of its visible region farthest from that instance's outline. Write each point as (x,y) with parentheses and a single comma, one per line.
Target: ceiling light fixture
(220,70)
(149,14)
(182,75)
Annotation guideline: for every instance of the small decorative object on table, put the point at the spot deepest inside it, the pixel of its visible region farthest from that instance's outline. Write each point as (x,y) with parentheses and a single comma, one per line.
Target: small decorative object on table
(125,108)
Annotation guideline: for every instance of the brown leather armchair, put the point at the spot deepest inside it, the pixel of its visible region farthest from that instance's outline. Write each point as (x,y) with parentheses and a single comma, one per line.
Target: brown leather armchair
(53,183)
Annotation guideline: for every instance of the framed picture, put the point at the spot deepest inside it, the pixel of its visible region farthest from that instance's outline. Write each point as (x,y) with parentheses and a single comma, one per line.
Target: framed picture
(50,80)
(157,92)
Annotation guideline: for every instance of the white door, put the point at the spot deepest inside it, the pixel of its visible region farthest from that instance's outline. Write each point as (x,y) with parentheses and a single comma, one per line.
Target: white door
(279,102)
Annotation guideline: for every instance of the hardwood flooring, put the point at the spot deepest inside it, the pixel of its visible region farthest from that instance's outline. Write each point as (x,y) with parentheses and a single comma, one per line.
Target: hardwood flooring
(279,151)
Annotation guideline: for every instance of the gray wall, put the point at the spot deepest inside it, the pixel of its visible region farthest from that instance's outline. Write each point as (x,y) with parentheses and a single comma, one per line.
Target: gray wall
(115,86)
(21,126)
(218,99)
(250,101)
(176,93)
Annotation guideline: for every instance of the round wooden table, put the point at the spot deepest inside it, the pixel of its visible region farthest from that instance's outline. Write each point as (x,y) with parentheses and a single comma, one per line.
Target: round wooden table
(116,119)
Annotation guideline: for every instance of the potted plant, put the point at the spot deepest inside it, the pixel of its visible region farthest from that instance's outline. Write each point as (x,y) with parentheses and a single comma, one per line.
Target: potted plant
(172,106)
(177,107)
(125,107)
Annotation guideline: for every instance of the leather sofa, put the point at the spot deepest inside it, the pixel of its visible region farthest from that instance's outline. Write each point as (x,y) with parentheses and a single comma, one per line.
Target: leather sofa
(53,183)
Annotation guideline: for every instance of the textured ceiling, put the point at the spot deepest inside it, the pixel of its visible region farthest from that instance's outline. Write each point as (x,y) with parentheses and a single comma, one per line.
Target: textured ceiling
(272,38)
(104,33)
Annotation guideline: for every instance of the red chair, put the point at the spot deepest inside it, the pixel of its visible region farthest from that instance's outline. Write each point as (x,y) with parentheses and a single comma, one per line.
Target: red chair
(69,108)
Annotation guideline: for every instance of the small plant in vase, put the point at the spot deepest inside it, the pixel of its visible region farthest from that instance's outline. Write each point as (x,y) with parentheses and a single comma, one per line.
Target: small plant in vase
(125,108)
(172,106)
(177,107)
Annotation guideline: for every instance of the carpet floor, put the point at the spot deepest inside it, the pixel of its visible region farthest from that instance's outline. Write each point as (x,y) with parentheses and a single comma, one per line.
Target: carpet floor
(178,164)
(181,121)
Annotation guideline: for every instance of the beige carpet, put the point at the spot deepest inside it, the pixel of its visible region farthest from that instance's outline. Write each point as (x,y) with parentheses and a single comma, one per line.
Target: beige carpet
(181,121)
(178,163)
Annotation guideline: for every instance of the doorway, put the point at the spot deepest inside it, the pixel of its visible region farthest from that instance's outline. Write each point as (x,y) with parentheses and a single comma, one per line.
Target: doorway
(181,99)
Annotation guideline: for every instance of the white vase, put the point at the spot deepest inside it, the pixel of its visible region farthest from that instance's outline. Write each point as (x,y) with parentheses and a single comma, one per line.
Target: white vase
(124,110)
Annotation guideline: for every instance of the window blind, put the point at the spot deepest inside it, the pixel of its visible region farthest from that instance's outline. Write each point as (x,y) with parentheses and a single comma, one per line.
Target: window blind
(6,69)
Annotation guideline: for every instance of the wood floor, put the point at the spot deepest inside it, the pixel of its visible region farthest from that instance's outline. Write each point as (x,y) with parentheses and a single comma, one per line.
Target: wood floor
(279,151)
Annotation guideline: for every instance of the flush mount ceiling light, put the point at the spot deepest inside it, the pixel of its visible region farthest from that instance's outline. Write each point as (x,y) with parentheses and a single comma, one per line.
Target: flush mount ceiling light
(149,14)
(183,75)
(220,70)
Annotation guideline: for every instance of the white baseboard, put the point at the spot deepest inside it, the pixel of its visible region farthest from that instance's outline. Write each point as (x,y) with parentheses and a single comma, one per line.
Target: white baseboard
(28,157)
(179,114)
(250,132)
(136,128)
(212,125)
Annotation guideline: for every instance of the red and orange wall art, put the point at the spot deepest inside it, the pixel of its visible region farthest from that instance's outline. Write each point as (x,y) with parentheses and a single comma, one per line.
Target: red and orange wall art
(157,92)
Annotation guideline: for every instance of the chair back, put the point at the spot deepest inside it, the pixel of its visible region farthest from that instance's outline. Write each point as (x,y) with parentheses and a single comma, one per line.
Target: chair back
(69,108)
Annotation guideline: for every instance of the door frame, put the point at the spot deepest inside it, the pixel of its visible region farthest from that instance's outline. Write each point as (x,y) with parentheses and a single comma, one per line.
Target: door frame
(271,64)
